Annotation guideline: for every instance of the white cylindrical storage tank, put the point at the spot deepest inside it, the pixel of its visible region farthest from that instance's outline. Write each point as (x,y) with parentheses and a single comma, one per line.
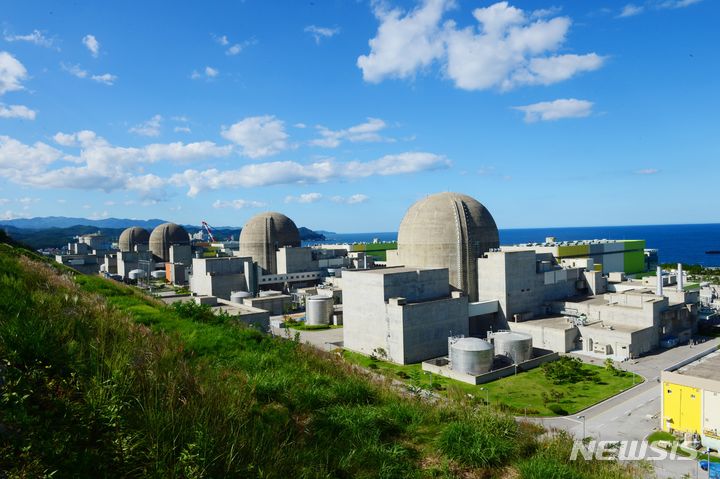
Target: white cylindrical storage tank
(516,346)
(318,310)
(238,296)
(159,274)
(471,356)
(136,274)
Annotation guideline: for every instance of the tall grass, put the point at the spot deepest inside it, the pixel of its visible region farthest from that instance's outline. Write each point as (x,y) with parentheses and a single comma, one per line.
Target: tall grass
(98,380)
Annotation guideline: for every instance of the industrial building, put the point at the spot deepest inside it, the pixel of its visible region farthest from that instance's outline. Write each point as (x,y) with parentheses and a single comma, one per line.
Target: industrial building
(446,230)
(570,296)
(408,313)
(624,256)
(571,306)
(691,401)
(86,253)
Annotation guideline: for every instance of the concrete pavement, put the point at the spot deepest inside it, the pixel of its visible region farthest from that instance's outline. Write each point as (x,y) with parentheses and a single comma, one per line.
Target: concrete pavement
(635,413)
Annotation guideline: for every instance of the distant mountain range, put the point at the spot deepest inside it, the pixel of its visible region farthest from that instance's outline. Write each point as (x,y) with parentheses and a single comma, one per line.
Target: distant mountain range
(66,222)
(55,231)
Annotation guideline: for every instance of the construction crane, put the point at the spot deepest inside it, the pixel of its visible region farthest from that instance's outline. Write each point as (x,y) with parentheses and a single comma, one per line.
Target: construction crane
(208,228)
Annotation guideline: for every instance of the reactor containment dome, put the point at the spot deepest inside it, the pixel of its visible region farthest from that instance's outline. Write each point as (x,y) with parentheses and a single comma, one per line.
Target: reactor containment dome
(166,235)
(132,237)
(264,234)
(448,230)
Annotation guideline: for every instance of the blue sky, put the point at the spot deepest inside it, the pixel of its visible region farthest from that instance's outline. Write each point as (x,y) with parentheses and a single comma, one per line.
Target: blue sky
(343,113)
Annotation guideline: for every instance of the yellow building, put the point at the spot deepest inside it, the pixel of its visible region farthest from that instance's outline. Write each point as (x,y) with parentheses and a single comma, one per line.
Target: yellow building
(691,400)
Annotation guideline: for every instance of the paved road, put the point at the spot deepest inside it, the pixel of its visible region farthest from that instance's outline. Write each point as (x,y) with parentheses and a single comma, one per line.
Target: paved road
(634,414)
(322,339)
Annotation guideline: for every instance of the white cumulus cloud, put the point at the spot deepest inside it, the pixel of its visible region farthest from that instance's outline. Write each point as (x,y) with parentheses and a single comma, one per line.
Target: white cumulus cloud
(677,3)
(291,172)
(239,204)
(367,131)
(149,127)
(258,136)
(405,42)
(105,78)
(92,44)
(208,73)
(630,10)
(350,200)
(76,71)
(36,37)
(12,73)
(507,48)
(17,111)
(556,110)
(304,198)
(319,33)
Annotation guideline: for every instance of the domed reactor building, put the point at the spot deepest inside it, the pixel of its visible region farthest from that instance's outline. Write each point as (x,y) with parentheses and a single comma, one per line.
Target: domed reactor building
(264,234)
(447,230)
(166,235)
(134,237)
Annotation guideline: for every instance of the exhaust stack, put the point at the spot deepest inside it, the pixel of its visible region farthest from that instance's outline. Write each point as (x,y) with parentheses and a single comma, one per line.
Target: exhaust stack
(659,289)
(680,279)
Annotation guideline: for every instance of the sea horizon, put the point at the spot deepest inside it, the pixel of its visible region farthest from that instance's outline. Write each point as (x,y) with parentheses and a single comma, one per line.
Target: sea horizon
(683,243)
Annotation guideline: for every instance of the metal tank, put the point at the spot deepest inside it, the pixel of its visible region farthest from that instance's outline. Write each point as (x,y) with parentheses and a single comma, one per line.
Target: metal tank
(136,274)
(238,296)
(318,310)
(516,346)
(159,274)
(471,355)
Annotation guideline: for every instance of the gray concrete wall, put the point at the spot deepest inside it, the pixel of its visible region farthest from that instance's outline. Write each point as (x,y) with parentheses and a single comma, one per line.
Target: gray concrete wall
(375,317)
(427,325)
(295,260)
(275,305)
(553,339)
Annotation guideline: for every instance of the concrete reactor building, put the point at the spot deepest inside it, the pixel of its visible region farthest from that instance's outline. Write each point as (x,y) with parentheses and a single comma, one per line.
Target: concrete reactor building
(132,237)
(164,237)
(264,234)
(447,230)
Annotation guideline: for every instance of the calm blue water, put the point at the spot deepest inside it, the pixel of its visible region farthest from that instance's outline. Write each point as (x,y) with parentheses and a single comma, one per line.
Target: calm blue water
(676,243)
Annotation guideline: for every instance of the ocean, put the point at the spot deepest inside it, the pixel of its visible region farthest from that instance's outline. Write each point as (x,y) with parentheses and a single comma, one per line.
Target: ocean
(675,243)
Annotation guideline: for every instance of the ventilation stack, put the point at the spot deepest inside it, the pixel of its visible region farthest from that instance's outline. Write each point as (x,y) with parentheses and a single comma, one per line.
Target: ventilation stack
(680,280)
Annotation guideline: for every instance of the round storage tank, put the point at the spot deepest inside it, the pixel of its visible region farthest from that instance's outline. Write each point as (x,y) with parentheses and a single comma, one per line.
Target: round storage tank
(318,310)
(471,356)
(238,296)
(159,274)
(516,346)
(136,274)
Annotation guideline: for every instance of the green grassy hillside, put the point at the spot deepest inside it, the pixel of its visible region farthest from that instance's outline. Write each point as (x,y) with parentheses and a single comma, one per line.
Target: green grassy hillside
(98,380)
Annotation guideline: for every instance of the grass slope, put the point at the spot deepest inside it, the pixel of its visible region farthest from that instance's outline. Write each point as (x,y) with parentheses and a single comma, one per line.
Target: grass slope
(100,381)
(528,393)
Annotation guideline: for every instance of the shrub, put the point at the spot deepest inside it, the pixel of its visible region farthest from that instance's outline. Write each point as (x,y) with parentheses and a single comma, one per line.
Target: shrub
(558,409)
(481,440)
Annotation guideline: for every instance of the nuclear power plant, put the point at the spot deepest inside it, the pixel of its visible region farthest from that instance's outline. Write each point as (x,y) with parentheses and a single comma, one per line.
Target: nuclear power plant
(449,297)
